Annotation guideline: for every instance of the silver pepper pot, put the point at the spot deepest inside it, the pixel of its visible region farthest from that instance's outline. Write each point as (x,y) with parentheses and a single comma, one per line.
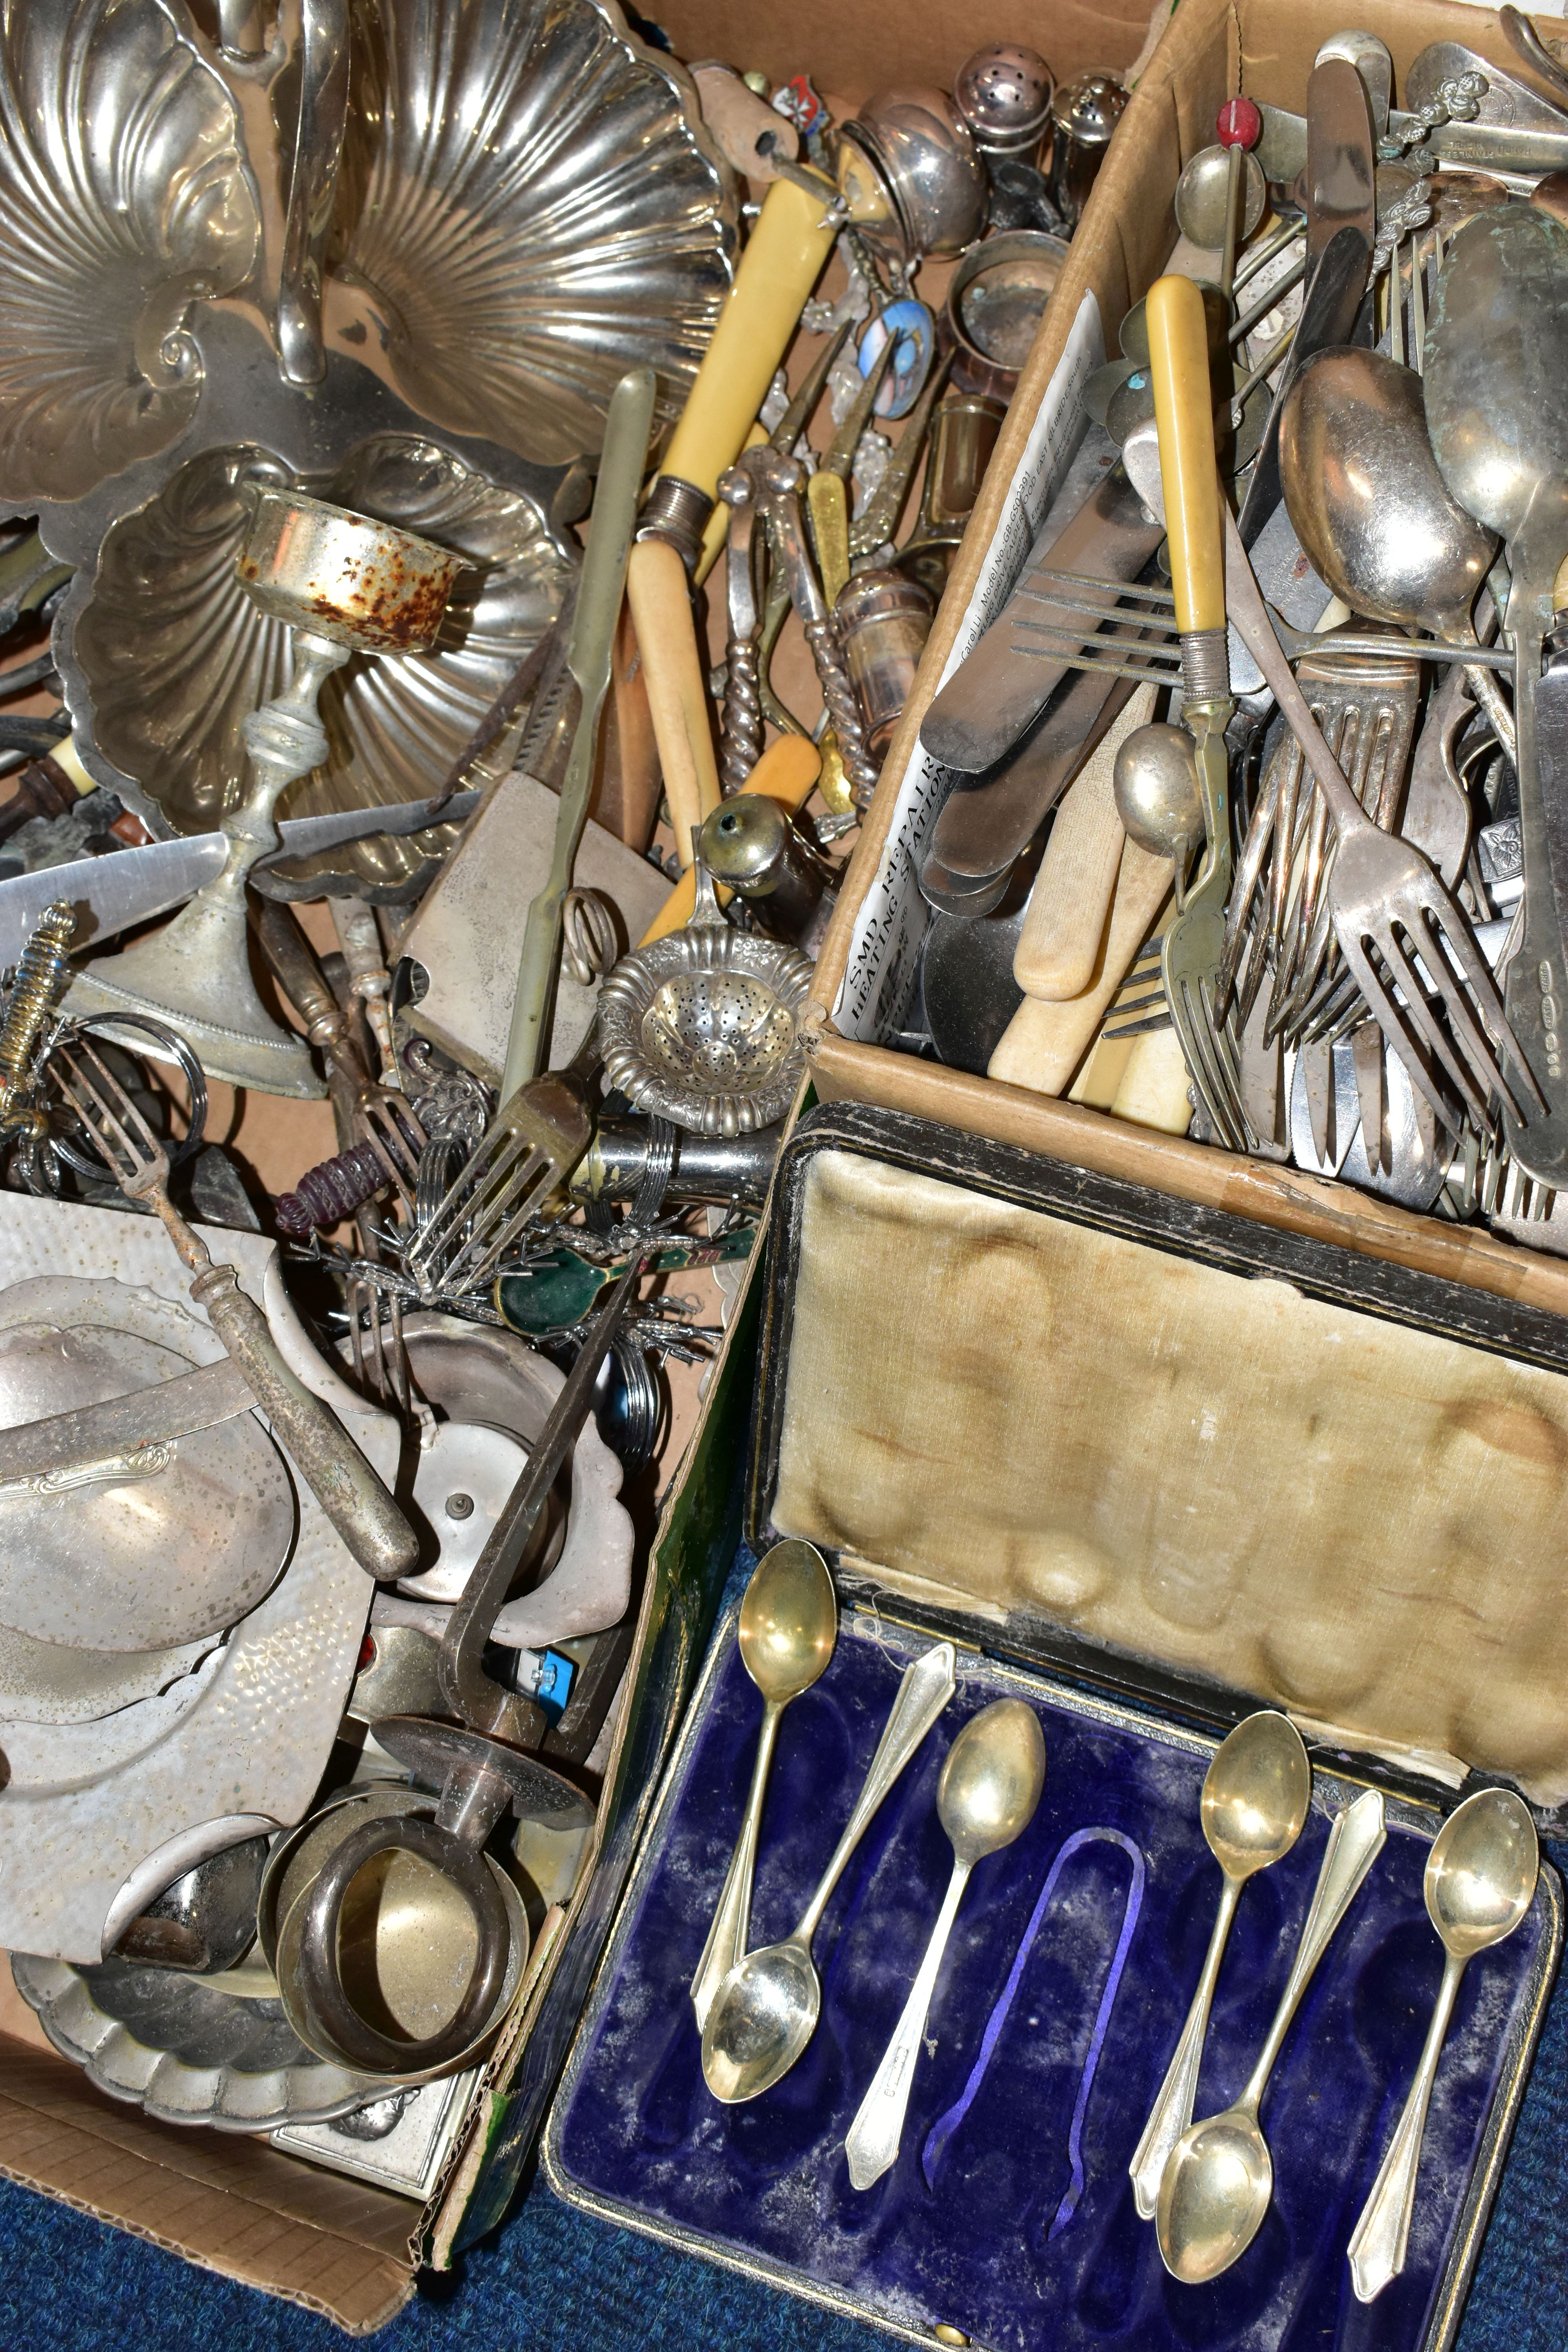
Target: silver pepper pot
(1003,94)
(1084,116)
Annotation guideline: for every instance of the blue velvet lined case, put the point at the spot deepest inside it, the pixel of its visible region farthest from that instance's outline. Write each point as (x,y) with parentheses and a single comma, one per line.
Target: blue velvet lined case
(1009,2215)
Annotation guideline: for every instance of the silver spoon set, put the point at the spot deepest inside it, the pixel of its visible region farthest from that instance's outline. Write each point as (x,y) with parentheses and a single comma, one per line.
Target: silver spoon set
(1208,2186)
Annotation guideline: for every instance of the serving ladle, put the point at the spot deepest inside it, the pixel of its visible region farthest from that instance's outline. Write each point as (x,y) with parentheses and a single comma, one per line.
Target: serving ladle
(1479,1884)
(1220,2178)
(482,1767)
(986,1797)
(789,1622)
(1253,1805)
(765,2011)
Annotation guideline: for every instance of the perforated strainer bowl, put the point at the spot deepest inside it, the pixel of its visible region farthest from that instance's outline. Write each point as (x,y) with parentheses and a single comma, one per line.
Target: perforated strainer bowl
(703,1027)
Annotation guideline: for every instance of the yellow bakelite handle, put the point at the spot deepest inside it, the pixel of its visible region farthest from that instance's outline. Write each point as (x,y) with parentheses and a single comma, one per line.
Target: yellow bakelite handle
(789,245)
(785,773)
(1183,417)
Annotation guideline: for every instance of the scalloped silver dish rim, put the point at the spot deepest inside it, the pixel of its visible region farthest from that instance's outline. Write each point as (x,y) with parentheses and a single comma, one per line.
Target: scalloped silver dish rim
(45,1985)
(624,997)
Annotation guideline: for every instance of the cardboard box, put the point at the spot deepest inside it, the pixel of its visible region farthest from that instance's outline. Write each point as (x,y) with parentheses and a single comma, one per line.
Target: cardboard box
(870,957)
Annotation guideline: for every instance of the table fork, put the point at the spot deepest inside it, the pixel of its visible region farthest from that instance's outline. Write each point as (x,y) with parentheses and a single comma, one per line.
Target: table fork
(1389,911)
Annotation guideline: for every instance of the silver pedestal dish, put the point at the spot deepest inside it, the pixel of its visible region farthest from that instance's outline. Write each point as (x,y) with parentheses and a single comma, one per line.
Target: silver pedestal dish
(393,725)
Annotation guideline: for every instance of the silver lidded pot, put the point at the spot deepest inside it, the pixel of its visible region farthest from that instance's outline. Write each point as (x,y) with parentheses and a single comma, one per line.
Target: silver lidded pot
(912,176)
(1003,95)
(750,847)
(1084,116)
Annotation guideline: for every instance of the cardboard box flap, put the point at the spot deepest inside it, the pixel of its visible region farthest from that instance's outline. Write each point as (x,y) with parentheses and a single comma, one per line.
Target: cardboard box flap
(227,2201)
(1261,1463)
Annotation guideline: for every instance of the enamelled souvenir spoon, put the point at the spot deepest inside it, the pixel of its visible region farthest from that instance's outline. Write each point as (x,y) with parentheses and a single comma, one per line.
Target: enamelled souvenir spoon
(765,2011)
(986,1797)
(789,1621)
(1256,1795)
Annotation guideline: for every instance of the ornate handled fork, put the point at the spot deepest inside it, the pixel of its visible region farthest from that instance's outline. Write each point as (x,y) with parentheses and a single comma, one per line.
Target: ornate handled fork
(352,1497)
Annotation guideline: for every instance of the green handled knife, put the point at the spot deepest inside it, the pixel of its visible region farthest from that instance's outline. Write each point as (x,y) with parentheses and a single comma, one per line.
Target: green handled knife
(599,593)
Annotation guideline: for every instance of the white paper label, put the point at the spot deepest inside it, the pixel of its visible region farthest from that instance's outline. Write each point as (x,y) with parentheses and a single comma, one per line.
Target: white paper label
(884,953)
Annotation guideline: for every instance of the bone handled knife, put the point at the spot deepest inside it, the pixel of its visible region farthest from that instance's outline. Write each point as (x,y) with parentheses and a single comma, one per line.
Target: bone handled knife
(985,826)
(1059,946)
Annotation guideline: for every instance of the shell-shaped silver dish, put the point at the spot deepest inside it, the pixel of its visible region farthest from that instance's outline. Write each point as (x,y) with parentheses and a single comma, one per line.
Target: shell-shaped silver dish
(176,654)
(188,2054)
(703,1027)
(526,205)
(529,197)
(124,198)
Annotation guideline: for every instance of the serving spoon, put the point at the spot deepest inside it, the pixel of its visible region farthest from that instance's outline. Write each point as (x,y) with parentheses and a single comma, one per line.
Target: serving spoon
(986,1797)
(765,2011)
(1217,2185)
(1479,1884)
(1496,386)
(1375,516)
(1256,1794)
(788,1625)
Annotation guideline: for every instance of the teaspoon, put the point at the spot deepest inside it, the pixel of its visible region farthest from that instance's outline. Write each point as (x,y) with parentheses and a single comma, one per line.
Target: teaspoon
(1157,796)
(986,1797)
(1480,1882)
(1219,2182)
(765,2011)
(1256,1795)
(788,1625)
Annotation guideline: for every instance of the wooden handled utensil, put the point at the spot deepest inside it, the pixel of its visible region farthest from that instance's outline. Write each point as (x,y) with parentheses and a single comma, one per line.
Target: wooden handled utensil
(677,693)
(791,240)
(1043,1043)
(1059,947)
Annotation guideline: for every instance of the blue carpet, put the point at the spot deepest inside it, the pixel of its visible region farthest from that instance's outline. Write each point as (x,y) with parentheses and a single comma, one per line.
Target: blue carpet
(556,2282)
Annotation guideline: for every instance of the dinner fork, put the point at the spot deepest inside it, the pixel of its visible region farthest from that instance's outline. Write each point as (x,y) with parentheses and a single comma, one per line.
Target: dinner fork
(1389,909)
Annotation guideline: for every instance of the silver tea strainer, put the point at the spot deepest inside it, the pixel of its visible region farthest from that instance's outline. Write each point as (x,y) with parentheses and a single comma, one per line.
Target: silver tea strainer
(703,1027)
